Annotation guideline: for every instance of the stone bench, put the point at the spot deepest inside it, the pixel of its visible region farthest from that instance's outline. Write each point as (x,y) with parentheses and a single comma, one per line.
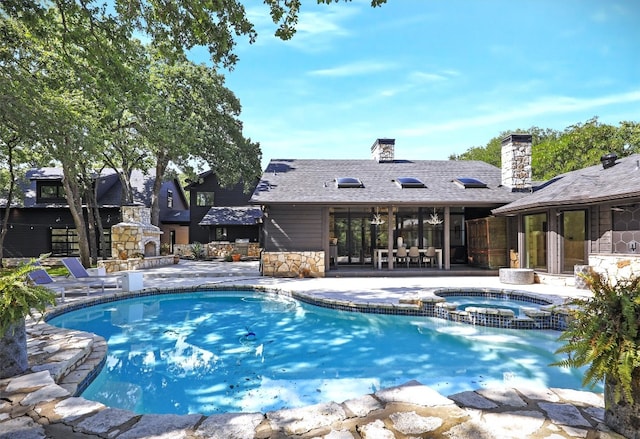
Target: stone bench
(517,276)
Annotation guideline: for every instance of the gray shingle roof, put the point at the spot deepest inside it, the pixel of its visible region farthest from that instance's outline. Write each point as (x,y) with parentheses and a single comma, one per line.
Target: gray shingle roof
(584,186)
(313,182)
(232,216)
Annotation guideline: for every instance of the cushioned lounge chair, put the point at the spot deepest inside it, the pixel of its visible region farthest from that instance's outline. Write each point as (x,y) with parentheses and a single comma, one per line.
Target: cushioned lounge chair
(42,278)
(77,271)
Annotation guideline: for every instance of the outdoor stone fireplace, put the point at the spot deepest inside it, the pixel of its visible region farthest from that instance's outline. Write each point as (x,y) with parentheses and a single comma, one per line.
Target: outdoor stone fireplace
(135,236)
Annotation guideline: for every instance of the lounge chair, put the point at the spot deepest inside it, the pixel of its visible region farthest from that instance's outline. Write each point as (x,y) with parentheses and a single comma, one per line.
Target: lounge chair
(77,271)
(42,278)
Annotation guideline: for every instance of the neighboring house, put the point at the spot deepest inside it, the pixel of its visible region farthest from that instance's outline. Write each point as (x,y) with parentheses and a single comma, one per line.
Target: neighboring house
(40,221)
(174,215)
(586,217)
(221,214)
(321,212)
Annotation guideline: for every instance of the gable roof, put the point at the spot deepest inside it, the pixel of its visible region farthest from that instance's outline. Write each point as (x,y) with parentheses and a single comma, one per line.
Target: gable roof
(590,185)
(314,182)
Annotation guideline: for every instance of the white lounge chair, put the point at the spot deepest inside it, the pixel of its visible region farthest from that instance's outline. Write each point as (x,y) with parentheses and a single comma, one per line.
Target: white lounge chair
(42,278)
(77,270)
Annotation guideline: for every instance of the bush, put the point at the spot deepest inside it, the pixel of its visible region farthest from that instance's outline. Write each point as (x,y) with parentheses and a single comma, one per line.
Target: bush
(19,298)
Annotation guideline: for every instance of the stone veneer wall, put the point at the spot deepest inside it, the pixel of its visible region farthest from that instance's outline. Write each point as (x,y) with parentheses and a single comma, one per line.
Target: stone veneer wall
(135,236)
(115,265)
(615,266)
(293,264)
(516,161)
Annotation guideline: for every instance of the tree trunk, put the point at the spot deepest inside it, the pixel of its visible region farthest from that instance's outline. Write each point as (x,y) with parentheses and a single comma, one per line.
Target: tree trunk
(623,416)
(13,350)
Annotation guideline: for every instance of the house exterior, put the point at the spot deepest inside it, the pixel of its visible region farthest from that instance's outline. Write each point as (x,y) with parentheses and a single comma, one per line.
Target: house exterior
(40,222)
(221,214)
(585,218)
(319,214)
(323,213)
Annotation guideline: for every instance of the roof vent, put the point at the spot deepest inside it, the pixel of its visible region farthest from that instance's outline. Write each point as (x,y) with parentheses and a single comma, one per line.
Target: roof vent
(608,160)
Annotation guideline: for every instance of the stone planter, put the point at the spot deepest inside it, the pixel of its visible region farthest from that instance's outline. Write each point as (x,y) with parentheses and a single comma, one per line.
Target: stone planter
(13,350)
(623,416)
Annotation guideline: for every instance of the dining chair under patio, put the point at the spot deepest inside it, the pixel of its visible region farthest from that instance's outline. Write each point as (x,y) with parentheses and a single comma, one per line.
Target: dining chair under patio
(402,256)
(413,256)
(430,256)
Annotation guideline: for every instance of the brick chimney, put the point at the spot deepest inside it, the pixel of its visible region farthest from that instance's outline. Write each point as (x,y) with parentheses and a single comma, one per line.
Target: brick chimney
(516,162)
(382,150)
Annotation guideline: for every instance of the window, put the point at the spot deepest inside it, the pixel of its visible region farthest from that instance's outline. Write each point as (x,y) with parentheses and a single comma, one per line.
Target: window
(347,182)
(64,242)
(204,199)
(409,182)
(169,199)
(50,192)
(468,182)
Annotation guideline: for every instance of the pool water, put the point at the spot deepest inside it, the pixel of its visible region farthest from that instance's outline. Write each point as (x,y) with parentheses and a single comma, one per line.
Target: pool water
(246,352)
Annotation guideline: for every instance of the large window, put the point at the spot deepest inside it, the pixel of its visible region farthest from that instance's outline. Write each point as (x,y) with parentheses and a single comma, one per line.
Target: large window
(64,242)
(535,235)
(204,199)
(573,238)
(49,192)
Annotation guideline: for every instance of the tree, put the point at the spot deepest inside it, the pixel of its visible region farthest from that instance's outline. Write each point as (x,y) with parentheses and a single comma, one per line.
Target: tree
(190,115)
(556,152)
(175,26)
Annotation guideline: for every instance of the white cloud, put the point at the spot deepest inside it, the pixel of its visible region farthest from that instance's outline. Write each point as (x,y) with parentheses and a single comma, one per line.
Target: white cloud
(352,69)
(544,106)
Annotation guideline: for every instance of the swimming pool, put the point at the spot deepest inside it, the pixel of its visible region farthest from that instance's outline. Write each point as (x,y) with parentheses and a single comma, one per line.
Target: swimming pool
(230,351)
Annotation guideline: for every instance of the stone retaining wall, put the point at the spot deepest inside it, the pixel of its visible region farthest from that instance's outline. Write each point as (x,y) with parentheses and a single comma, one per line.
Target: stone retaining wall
(115,265)
(615,266)
(293,264)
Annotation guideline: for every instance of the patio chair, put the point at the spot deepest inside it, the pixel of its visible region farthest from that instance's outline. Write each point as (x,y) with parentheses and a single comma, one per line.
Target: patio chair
(430,256)
(413,255)
(77,271)
(402,256)
(42,278)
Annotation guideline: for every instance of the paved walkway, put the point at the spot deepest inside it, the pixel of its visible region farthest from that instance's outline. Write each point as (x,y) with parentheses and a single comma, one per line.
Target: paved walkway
(40,404)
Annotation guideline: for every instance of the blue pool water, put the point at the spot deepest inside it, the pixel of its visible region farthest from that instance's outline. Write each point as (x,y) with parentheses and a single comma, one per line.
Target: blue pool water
(241,351)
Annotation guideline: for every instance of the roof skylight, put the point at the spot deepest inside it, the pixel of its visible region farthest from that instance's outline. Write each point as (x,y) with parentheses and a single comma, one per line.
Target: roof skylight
(469,182)
(409,182)
(348,182)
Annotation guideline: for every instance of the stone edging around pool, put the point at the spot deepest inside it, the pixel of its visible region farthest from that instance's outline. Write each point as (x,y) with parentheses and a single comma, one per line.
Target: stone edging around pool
(81,354)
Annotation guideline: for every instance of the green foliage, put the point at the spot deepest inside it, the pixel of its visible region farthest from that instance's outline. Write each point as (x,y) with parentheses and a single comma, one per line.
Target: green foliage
(604,333)
(557,152)
(197,250)
(19,298)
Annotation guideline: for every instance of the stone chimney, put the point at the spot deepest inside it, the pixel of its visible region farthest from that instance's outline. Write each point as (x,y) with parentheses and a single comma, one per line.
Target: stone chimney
(516,162)
(382,150)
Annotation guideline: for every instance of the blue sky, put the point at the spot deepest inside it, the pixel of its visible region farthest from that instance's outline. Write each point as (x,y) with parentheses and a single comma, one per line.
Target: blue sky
(439,76)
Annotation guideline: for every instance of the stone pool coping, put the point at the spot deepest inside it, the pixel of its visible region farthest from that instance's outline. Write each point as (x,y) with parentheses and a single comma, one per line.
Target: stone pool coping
(42,402)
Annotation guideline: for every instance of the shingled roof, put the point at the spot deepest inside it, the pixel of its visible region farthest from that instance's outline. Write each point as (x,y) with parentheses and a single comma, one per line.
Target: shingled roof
(314,182)
(232,216)
(590,185)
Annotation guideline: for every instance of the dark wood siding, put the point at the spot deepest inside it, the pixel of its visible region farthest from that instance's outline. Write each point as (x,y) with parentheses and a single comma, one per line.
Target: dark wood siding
(29,233)
(235,196)
(293,228)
